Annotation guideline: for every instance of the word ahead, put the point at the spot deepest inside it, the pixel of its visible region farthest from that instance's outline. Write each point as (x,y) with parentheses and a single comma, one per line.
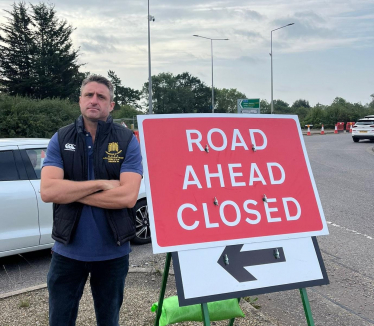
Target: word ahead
(233,260)
(218,180)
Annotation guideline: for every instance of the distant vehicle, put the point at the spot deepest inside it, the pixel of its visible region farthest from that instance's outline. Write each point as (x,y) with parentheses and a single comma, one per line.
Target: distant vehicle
(363,129)
(25,220)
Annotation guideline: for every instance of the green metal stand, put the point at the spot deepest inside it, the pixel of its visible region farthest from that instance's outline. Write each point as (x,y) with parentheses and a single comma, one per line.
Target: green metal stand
(204,306)
(163,288)
(306,305)
(231,322)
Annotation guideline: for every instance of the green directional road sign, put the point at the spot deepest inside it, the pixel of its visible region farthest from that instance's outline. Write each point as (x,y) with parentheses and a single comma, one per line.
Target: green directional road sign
(249,105)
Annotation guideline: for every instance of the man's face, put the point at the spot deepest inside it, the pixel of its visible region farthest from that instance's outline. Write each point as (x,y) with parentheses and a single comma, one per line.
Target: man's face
(95,102)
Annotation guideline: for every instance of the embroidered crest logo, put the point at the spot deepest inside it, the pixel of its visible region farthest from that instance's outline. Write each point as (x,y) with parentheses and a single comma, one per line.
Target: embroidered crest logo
(113,153)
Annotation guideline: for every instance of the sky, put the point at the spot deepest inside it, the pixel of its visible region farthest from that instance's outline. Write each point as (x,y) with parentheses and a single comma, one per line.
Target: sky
(327,53)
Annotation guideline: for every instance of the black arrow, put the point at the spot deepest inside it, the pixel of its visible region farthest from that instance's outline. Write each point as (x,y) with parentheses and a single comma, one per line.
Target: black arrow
(234,261)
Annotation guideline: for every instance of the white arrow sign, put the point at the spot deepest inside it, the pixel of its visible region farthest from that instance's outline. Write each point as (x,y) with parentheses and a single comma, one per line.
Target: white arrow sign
(219,273)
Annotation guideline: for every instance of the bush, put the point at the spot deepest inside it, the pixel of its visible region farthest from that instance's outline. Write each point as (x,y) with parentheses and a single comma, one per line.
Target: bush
(25,117)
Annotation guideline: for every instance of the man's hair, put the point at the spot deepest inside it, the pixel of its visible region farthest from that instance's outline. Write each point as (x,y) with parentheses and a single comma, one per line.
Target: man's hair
(101,80)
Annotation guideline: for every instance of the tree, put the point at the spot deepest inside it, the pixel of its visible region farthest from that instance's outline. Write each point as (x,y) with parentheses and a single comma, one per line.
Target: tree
(182,93)
(17,50)
(300,103)
(281,107)
(114,79)
(123,95)
(128,96)
(74,97)
(265,107)
(226,100)
(300,108)
(193,95)
(126,111)
(38,58)
(55,61)
(316,116)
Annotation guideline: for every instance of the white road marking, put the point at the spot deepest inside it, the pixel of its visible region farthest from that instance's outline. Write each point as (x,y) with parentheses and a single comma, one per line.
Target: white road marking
(349,230)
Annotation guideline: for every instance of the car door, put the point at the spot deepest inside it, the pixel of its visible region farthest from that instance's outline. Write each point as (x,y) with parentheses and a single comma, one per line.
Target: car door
(33,159)
(19,227)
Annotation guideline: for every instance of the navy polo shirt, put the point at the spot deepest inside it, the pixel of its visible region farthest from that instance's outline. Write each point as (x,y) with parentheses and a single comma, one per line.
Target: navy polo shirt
(93,240)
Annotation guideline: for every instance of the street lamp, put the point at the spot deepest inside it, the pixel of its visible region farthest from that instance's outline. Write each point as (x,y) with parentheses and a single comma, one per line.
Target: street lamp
(211,46)
(150,18)
(271,56)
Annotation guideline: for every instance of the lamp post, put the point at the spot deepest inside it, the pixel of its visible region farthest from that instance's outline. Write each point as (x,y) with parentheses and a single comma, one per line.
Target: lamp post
(211,47)
(271,56)
(150,18)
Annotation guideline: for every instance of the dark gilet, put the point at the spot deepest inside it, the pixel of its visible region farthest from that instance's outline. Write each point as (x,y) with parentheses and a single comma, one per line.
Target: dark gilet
(111,142)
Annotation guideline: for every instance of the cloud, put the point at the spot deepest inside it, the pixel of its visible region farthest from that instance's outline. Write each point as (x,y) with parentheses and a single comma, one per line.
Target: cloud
(248,35)
(112,34)
(96,47)
(250,59)
(307,24)
(309,16)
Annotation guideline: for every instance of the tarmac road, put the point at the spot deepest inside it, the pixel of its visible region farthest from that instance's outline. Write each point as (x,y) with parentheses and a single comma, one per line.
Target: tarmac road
(344,174)
(30,269)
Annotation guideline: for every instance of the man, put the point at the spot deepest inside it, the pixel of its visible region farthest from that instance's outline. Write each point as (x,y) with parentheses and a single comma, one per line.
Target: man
(92,175)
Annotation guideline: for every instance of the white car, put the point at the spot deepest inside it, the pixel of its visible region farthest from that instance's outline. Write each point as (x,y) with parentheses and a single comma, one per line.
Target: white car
(25,220)
(363,129)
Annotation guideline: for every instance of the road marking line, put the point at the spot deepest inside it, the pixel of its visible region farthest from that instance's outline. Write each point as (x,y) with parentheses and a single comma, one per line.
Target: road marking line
(349,230)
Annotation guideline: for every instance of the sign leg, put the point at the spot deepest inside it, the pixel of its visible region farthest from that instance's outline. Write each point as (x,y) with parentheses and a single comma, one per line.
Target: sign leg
(306,305)
(231,322)
(163,288)
(204,308)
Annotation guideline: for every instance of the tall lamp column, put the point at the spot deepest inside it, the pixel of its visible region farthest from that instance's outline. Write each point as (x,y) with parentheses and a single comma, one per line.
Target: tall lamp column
(271,56)
(211,48)
(150,18)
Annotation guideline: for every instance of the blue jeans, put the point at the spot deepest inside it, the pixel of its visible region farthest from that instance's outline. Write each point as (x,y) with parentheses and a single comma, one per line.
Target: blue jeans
(66,280)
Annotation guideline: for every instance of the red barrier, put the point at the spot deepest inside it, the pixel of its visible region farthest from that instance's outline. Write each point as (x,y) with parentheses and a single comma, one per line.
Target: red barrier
(136,133)
(340,126)
(349,126)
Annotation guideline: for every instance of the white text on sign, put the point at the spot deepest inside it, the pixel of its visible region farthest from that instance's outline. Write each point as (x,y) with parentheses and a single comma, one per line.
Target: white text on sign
(234,178)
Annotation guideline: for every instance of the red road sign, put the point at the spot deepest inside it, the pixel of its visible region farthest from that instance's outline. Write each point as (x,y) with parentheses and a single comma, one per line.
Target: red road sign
(227,179)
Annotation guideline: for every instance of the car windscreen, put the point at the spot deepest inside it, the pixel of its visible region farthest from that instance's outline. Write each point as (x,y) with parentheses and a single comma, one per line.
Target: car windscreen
(365,122)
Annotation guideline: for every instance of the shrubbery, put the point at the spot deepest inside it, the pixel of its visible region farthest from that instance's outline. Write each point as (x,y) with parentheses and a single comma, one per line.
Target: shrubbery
(25,117)
(339,111)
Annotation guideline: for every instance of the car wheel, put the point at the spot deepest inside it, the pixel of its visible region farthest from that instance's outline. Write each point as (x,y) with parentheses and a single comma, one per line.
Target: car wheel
(355,139)
(143,231)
